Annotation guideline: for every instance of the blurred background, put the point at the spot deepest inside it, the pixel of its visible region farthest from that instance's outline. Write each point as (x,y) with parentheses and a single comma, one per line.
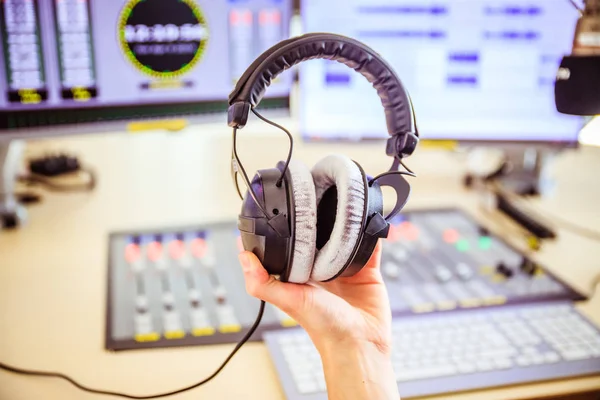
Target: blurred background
(118,212)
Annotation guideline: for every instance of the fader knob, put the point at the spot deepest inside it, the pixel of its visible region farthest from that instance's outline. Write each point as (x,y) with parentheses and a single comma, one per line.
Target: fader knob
(141,304)
(391,270)
(504,270)
(220,294)
(443,274)
(464,271)
(528,266)
(168,301)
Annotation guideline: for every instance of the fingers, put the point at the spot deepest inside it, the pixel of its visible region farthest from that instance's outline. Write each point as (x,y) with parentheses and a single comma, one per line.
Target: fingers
(288,297)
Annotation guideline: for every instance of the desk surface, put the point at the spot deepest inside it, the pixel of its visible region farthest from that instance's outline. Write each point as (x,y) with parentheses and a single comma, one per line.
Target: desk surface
(53,271)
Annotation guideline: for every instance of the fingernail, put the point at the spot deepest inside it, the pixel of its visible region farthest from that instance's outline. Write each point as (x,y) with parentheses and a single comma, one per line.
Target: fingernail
(245,261)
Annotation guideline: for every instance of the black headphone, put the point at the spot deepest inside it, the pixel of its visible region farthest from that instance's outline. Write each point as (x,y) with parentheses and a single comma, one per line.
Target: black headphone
(290,212)
(322,223)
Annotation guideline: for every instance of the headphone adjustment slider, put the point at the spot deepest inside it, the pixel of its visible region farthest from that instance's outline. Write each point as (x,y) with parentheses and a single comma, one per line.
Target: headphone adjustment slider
(237,114)
(378,226)
(401,144)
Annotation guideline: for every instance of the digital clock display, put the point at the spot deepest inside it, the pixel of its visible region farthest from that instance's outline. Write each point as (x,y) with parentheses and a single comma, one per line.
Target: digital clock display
(163,38)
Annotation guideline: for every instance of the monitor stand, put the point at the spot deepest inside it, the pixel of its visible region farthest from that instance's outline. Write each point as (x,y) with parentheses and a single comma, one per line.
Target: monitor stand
(12,214)
(527,172)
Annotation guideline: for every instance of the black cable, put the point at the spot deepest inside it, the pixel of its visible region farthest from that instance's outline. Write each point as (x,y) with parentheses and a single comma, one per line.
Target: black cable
(576,6)
(240,167)
(408,170)
(48,183)
(289,157)
(128,396)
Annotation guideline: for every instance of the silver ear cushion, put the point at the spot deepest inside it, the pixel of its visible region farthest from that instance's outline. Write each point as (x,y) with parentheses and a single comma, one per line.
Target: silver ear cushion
(342,172)
(305,204)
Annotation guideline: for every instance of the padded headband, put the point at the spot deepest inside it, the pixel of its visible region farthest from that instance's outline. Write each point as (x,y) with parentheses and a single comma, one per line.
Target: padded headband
(251,87)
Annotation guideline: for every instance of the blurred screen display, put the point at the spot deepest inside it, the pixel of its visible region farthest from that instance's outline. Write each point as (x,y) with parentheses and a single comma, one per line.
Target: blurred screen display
(476,70)
(59,54)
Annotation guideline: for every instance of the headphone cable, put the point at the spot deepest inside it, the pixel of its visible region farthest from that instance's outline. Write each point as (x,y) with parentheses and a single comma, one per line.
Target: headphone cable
(289,135)
(247,336)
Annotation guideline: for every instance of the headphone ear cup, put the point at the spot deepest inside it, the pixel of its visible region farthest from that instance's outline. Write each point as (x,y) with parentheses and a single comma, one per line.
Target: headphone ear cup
(340,194)
(305,222)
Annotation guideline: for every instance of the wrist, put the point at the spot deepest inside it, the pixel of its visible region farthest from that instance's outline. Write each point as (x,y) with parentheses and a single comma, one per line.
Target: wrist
(331,348)
(356,369)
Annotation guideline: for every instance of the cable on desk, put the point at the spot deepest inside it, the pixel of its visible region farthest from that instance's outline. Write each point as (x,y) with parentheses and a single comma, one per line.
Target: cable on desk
(50,184)
(129,396)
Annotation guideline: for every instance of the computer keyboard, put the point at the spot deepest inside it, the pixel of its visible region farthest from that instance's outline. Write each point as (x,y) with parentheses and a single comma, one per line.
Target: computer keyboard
(463,350)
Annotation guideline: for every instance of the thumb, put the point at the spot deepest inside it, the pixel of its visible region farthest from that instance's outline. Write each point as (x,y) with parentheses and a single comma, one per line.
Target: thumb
(288,297)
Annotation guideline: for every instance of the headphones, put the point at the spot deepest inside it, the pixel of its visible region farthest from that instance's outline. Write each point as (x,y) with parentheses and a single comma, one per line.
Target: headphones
(314,224)
(323,223)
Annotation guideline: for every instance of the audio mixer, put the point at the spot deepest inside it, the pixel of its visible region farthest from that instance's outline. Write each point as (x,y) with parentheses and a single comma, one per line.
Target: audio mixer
(184,286)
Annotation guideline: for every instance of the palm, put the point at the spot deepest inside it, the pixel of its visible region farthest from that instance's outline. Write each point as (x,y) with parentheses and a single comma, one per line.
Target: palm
(356,307)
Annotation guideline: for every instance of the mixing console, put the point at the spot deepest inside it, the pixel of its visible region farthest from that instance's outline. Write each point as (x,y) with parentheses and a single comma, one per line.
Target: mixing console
(184,286)
(442,260)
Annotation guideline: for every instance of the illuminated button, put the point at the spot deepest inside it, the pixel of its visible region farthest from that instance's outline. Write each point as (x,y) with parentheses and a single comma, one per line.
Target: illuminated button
(154,251)
(409,231)
(451,236)
(484,242)
(470,303)
(486,270)
(423,308)
(176,334)
(147,337)
(206,331)
(132,253)
(462,245)
(177,249)
(494,300)
(198,247)
(446,305)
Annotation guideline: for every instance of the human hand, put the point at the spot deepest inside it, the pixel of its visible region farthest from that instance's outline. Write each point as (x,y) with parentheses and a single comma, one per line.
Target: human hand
(346,309)
(348,320)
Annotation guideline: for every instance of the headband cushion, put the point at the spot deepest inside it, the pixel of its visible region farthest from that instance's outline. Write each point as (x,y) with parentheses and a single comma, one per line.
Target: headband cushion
(356,55)
(346,176)
(305,204)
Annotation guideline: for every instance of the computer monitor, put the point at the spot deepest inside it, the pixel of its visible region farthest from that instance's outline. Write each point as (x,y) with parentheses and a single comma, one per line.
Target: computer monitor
(67,62)
(477,71)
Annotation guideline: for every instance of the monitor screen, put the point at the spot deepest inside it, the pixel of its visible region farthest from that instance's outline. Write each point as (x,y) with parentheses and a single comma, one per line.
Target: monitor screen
(85,60)
(476,70)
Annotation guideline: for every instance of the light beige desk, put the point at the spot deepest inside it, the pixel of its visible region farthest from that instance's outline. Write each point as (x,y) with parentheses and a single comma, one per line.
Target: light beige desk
(53,271)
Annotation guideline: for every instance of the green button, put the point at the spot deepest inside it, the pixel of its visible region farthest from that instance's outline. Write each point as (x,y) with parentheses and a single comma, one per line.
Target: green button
(462,245)
(485,242)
